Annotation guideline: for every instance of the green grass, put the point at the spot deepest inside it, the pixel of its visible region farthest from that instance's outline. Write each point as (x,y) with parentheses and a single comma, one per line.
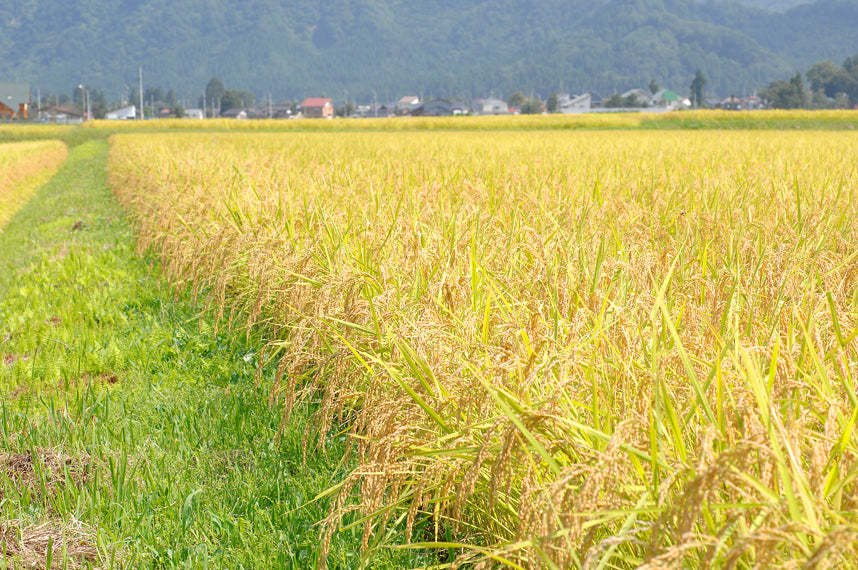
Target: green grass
(172,447)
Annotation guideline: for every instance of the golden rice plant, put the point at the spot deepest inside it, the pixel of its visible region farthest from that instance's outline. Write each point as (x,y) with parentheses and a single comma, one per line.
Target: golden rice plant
(12,132)
(769,118)
(24,167)
(553,349)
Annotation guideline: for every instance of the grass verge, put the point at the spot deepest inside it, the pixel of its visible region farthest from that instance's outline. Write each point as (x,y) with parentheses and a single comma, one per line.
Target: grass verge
(131,434)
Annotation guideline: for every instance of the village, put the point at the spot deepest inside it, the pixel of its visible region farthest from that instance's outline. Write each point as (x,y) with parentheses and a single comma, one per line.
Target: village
(17,102)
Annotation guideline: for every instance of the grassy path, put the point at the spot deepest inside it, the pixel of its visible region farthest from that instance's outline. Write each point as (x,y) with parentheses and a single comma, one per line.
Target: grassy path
(127,425)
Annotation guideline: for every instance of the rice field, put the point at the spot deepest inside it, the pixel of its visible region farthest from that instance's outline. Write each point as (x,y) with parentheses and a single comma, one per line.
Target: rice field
(17,132)
(24,167)
(481,123)
(645,120)
(550,349)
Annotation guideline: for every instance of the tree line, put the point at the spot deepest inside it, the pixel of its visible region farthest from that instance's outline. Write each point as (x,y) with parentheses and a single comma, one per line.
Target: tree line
(831,87)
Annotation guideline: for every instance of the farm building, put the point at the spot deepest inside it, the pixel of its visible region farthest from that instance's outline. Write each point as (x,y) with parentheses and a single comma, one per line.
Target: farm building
(578,104)
(408,103)
(492,106)
(125,113)
(317,108)
(434,108)
(14,100)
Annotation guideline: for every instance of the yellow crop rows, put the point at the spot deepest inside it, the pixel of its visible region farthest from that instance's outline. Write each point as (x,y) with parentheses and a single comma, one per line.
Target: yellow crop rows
(24,167)
(563,348)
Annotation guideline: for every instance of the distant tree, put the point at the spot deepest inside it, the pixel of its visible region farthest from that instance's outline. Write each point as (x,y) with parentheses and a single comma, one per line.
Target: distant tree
(170,99)
(841,101)
(214,90)
(98,103)
(826,76)
(697,89)
(653,86)
(347,110)
(615,101)
(786,94)
(236,99)
(553,103)
(516,100)
(154,94)
(823,76)
(632,101)
(531,107)
(178,111)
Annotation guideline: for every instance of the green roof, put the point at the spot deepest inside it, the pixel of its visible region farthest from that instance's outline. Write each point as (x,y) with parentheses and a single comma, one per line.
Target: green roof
(13,94)
(670,95)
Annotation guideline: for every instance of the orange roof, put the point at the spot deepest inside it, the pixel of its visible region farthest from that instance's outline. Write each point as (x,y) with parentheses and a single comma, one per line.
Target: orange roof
(315,102)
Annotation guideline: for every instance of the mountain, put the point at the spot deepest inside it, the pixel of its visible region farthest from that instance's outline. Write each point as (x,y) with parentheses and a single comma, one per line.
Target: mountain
(774,5)
(386,48)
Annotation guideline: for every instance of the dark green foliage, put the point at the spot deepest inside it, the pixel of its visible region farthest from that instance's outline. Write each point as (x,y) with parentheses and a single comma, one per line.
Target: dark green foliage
(654,86)
(448,49)
(516,100)
(552,104)
(214,91)
(531,106)
(696,89)
(236,99)
(830,87)
(786,94)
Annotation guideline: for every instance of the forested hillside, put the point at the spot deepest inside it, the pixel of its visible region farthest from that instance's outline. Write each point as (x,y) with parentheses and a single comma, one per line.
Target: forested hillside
(293,48)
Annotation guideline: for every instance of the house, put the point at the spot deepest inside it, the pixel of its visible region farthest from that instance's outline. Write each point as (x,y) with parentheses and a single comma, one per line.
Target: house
(194,114)
(66,115)
(460,108)
(666,99)
(375,112)
(14,100)
(731,103)
(638,95)
(317,108)
(434,108)
(578,104)
(281,111)
(234,113)
(123,114)
(754,103)
(491,106)
(408,103)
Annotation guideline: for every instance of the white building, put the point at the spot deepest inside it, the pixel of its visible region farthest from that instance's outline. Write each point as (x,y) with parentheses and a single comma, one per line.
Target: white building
(577,104)
(492,106)
(194,114)
(122,114)
(408,103)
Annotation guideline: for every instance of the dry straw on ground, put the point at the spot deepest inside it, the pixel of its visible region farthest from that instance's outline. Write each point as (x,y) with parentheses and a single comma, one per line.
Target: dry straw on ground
(69,544)
(556,349)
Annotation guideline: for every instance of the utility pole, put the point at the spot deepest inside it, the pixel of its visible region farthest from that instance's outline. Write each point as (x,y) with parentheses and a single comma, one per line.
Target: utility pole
(269,105)
(141,92)
(39,102)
